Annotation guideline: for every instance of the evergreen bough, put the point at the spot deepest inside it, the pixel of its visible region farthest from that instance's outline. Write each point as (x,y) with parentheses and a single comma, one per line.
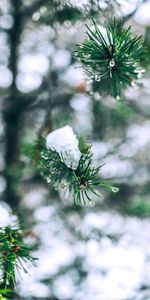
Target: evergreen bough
(81,183)
(111,57)
(14,253)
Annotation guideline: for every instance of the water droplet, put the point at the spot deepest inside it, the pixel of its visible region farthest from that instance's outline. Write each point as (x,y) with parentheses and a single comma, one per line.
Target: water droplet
(87,55)
(112,63)
(140,73)
(48,180)
(118,97)
(44,155)
(91,93)
(133,83)
(114,189)
(128,63)
(92,77)
(92,203)
(76,53)
(139,70)
(63,185)
(97,78)
(139,76)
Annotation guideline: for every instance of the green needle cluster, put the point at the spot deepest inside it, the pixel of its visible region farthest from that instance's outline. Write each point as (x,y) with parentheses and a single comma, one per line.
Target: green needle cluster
(82,183)
(14,253)
(113,61)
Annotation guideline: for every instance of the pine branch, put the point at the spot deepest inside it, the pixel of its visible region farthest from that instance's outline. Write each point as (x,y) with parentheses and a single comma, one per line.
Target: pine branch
(12,252)
(82,182)
(111,57)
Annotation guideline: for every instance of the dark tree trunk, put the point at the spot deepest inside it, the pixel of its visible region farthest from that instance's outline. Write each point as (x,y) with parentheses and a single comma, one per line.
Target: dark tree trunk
(11,113)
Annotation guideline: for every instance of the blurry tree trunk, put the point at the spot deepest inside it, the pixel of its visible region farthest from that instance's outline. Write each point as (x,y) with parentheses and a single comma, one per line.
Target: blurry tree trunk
(11,113)
(13,107)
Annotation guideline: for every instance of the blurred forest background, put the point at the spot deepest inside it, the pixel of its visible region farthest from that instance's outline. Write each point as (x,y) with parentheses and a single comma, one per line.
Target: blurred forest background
(93,253)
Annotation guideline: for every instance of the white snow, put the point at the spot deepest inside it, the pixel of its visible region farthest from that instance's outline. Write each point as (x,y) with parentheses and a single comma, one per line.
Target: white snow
(65,143)
(4,217)
(142,15)
(61,59)
(33,63)
(103,31)
(6,79)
